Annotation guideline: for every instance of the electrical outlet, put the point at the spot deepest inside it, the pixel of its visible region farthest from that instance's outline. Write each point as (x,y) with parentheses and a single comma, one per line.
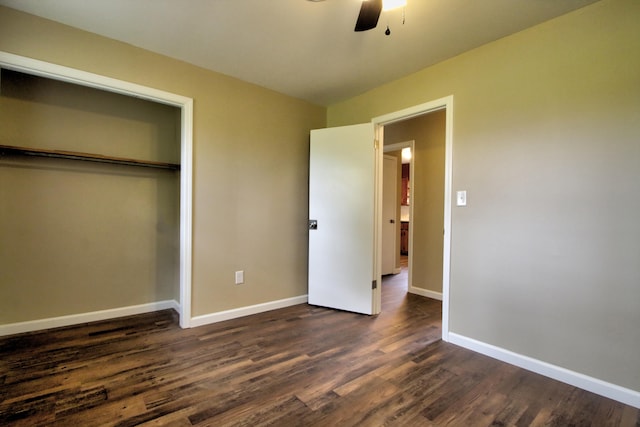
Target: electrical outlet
(239,277)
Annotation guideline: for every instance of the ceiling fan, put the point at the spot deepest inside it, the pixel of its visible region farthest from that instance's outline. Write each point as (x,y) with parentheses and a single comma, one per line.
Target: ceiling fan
(370,11)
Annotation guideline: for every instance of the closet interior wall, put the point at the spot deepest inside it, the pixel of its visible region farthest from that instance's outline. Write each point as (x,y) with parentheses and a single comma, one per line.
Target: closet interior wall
(75,236)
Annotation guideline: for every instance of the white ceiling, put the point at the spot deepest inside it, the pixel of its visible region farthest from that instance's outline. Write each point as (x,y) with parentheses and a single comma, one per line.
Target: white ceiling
(302,48)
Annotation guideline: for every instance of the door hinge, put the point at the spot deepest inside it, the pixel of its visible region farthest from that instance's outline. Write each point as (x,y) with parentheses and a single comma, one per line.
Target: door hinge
(374,284)
(375,143)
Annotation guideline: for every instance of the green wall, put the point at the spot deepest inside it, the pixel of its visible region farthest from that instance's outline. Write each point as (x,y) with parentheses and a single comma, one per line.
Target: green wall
(546,141)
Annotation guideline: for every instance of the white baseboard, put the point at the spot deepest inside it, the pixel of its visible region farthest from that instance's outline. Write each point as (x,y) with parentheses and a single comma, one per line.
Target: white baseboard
(221,316)
(425,293)
(75,319)
(576,379)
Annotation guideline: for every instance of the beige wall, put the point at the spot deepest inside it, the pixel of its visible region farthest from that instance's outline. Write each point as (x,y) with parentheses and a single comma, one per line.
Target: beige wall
(49,114)
(428,132)
(250,165)
(76,236)
(544,259)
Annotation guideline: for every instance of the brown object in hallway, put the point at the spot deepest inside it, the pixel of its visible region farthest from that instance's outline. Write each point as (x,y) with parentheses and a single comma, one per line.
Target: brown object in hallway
(404,238)
(300,365)
(405,184)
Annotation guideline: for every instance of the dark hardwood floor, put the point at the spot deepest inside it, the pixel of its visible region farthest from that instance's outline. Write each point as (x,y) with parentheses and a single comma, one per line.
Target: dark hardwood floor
(298,366)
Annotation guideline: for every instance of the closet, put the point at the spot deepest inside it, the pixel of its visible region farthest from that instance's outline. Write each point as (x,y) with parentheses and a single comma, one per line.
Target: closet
(89,199)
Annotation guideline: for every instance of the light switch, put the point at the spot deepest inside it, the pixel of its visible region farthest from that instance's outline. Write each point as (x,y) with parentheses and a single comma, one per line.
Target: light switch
(239,277)
(461,198)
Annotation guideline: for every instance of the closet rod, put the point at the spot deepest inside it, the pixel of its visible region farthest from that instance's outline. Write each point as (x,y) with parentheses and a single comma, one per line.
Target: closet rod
(72,155)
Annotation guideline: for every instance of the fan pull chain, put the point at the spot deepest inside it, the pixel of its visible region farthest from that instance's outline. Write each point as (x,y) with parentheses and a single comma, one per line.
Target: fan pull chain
(387,32)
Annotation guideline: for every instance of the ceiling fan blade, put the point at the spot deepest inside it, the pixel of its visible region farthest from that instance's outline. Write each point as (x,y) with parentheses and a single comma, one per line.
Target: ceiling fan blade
(369,14)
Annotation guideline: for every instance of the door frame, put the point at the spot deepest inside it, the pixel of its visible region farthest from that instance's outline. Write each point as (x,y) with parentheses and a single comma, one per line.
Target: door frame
(379,122)
(399,146)
(84,78)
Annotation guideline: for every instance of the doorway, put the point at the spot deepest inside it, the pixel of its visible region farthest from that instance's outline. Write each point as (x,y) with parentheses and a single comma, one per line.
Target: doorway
(401,198)
(424,258)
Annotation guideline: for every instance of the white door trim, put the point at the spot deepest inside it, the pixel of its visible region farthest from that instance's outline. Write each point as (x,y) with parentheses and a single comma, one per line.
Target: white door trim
(418,110)
(83,78)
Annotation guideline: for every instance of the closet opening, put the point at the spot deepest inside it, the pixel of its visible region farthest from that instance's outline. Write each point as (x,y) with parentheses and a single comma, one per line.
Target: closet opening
(95,197)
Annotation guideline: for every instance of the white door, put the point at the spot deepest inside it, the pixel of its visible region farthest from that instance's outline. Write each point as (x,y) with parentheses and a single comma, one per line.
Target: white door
(389,211)
(341,218)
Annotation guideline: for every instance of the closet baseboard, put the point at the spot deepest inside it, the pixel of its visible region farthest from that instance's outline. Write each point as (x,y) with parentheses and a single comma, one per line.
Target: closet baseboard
(75,319)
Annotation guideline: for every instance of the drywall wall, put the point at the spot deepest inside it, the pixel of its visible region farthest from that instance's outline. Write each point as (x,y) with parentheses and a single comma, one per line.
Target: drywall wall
(250,162)
(546,124)
(79,237)
(428,132)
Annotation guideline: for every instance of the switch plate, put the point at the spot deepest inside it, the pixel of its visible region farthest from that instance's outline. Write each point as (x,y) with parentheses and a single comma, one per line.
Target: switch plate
(461,198)
(239,277)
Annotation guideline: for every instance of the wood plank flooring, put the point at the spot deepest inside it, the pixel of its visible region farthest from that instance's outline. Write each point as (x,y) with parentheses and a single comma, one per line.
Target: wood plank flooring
(298,366)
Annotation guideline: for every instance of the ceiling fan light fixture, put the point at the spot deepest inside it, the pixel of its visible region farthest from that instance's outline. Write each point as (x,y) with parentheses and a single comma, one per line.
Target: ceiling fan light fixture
(370,11)
(393,4)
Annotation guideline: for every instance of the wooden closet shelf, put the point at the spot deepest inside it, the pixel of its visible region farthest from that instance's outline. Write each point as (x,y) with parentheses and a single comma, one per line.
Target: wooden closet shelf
(72,155)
